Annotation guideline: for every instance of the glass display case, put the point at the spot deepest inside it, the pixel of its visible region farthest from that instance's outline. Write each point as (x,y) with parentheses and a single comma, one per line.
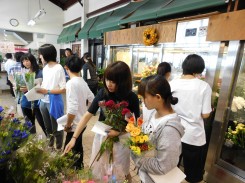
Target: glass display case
(226,154)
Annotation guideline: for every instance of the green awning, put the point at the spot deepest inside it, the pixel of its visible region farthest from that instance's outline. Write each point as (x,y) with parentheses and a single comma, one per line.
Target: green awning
(146,11)
(153,9)
(73,31)
(83,34)
(187,5)
(94,32)
(63,36)
(118,14)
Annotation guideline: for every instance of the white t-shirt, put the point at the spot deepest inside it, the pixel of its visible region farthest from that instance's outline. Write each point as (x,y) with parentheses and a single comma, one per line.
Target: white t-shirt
(194,99)
(77,93)
(53,78)
(9,64)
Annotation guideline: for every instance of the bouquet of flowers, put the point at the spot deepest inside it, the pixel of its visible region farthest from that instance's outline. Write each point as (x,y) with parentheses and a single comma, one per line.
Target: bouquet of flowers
(35,162)
(30,80)
(236,136)
(18,82)
(138,141)
(13,133)
(115,117)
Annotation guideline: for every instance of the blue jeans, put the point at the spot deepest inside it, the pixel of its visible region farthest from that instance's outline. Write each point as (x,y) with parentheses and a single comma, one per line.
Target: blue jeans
(51,126)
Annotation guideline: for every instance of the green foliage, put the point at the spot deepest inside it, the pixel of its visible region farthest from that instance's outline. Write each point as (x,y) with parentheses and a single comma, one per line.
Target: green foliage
(36,163)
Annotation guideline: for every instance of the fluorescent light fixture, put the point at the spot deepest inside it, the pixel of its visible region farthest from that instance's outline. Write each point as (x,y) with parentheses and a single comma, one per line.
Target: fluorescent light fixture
(38,15)
(31,22)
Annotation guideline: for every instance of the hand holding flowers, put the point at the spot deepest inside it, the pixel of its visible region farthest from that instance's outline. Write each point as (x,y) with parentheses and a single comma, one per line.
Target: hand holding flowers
(115,117)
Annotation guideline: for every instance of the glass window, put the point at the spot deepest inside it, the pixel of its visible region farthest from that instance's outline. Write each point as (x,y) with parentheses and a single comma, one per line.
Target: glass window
(233,150)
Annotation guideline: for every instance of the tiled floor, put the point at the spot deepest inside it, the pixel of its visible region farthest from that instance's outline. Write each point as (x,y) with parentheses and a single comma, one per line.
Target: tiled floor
(7,100)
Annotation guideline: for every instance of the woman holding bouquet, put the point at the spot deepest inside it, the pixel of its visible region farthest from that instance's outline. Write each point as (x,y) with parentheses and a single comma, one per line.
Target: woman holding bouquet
(164,129)
(28,61)
(117,87)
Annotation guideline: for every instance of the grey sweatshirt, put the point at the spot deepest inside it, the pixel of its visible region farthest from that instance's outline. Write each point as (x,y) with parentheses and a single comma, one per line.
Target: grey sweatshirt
(167,142)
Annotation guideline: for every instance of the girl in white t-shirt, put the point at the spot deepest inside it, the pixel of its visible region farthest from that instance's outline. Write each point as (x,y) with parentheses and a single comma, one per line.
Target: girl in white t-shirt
(53,85)
(194,104)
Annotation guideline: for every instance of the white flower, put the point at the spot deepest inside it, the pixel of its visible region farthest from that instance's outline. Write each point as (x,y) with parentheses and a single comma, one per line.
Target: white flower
(238,103)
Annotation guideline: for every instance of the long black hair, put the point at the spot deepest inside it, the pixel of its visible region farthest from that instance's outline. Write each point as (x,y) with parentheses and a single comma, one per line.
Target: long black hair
(32,59)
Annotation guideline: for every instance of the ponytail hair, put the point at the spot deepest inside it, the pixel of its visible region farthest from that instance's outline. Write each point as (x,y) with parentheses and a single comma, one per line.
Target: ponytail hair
(88,57)
(159,85)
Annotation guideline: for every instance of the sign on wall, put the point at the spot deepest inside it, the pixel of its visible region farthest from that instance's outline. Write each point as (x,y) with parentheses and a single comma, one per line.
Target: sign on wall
(7,47)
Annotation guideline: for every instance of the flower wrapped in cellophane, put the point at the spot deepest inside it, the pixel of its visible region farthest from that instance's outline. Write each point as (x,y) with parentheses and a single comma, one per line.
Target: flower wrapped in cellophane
(138,141)
(115,117)
(30,80)
(19,82)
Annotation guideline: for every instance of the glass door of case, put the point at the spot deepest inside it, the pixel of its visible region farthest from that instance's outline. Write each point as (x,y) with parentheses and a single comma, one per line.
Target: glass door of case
(232,154)
(226,158)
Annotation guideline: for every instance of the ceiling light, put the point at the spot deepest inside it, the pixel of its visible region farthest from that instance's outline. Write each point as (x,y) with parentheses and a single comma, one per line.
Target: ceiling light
(31,22)
(39,14)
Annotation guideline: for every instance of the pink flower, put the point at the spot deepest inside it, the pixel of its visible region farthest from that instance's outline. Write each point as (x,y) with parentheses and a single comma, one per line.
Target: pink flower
(125,111)
(66,181)
(91,181)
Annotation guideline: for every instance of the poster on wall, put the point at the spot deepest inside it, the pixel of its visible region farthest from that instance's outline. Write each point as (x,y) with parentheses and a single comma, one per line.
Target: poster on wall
(7,47)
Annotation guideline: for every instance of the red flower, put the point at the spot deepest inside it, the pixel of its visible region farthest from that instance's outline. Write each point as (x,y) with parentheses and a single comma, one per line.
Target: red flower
(125,111)
(110,103)
(124,104)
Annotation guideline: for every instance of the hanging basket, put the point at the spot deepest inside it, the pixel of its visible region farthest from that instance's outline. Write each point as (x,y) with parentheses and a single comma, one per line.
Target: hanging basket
(150,36)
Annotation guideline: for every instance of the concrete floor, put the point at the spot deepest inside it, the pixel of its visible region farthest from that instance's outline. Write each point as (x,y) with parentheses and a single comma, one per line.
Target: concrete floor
(7,100)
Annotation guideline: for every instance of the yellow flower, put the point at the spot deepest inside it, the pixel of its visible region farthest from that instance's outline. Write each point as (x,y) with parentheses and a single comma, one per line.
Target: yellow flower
(135,131)
(146,138)
(137,139)
(136,150)
(133,139)
(129,127)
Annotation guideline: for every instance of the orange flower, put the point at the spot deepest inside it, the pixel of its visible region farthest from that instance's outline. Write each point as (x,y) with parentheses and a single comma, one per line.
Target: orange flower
(129,127)
(131,120)
(135,131)
(140,121)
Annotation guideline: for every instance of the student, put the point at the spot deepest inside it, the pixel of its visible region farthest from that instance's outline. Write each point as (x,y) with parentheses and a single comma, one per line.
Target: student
(68,52)
(194,105)
(119,89)
(28,61)
(164,69)
(164,129)
(77,93)
(52,87)
(89,73)
(8,64)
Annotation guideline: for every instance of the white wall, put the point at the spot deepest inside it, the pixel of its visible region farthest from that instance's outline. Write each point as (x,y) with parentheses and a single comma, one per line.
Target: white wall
(73,12)
(97,4)
(23,10)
